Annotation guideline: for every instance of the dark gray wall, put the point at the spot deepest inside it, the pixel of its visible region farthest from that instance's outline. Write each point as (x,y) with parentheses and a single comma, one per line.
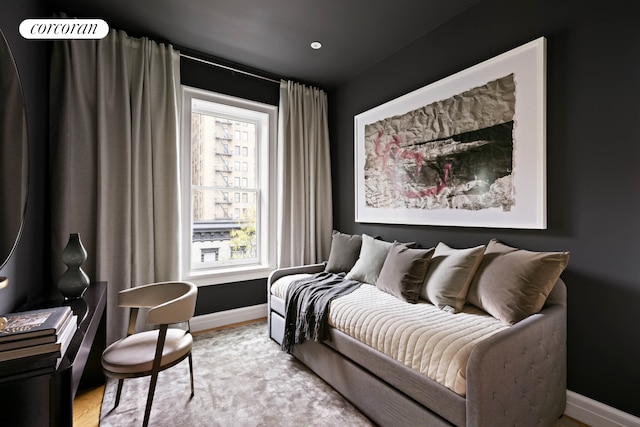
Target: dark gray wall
(593,147)
(593,133)
(28,283)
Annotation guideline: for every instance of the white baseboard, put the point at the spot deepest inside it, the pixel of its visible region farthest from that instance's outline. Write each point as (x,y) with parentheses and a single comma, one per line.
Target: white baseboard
(596,414)
(228,317)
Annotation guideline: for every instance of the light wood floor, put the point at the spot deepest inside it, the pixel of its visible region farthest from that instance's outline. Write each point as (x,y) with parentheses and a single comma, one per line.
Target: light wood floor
(86,407)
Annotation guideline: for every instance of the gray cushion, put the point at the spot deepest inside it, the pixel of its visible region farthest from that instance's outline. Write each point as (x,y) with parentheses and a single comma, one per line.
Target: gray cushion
(345,249)
(449,276)
(512,284)
(403,272)
(372,255)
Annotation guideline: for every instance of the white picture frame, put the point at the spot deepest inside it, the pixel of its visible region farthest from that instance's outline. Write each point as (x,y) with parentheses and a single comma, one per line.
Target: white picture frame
(440,155)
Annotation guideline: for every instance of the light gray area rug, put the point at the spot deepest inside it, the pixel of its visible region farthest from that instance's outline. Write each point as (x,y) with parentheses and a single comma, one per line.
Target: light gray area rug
(241,379)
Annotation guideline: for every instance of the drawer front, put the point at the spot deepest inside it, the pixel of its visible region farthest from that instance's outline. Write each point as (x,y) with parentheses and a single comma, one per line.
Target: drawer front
(277,327)
(278,305)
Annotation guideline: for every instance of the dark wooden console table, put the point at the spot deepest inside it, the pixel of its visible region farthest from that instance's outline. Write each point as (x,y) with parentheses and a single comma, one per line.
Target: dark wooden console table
(47,400)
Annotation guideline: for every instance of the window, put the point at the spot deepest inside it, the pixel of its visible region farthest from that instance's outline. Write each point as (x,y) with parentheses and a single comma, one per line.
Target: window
(227,239)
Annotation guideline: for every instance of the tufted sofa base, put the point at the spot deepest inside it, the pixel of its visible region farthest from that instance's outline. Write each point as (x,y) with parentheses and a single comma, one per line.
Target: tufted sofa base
(515,378)
(383,404)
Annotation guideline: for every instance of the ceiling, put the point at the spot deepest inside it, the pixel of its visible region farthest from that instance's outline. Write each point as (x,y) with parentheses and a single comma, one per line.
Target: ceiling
(274,36)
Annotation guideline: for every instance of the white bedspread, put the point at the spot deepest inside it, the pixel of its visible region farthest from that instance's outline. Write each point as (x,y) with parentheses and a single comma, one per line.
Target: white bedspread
(420,336)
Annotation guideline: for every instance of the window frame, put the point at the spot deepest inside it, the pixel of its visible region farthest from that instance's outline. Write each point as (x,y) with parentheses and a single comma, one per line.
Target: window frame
(267,191)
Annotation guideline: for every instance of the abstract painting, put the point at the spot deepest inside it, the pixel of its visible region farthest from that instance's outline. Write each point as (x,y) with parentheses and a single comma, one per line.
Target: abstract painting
(468,150)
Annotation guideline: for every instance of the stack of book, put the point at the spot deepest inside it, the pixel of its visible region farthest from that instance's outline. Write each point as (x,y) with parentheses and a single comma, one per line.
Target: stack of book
(34,342)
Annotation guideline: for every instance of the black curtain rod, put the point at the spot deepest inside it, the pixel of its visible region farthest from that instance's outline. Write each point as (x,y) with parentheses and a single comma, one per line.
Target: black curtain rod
(226,67)
(274,79)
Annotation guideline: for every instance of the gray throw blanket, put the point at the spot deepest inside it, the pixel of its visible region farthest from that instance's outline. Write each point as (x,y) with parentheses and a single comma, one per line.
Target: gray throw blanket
(307,306)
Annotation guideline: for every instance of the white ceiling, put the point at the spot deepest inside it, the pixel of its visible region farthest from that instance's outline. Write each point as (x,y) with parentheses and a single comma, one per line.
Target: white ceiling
(274,35)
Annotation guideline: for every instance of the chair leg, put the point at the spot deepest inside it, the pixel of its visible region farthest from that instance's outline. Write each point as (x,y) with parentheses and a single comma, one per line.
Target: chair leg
(162,334)
(191,374)
(118,393)
(152,389)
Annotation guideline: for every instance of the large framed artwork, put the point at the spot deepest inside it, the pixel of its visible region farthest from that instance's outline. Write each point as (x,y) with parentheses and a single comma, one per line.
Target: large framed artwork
(468,150)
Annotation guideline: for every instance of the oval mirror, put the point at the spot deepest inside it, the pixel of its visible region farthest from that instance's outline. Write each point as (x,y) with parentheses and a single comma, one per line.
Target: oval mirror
(14,153)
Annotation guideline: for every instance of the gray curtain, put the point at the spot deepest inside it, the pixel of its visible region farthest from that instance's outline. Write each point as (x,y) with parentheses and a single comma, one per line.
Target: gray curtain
(114,161)
(304,176)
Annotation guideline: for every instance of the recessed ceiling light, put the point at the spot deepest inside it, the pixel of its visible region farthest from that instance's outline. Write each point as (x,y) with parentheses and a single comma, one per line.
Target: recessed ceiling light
(316,45)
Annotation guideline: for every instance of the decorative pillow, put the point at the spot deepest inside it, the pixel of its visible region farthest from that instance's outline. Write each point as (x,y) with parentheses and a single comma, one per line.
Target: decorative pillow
(372,255)
(345,249)
(513,283)
(449,276)
(403,272)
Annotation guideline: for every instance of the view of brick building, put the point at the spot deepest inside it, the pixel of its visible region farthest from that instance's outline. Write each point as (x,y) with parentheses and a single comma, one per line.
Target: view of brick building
(223,170)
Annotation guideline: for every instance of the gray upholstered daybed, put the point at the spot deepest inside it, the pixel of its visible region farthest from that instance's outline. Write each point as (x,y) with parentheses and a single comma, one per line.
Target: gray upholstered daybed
(406,356)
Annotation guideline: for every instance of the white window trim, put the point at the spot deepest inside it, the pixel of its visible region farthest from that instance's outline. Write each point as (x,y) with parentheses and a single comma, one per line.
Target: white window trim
(267,203)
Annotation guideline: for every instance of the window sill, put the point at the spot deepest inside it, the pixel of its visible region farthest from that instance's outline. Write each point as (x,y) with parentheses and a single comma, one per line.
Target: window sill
(229,275)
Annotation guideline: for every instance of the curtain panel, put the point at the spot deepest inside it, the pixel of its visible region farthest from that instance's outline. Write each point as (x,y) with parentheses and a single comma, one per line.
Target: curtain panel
(114,161)
(305,210)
